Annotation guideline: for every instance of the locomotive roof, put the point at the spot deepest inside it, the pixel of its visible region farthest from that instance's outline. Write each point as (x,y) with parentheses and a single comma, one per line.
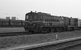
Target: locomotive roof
(40,13)
(47,14)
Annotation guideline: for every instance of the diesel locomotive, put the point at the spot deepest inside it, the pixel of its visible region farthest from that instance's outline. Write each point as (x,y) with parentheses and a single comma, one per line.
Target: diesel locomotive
(44,22)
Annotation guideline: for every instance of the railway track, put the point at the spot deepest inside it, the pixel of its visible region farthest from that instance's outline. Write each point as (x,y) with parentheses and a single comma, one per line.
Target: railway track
(75,47)
(18,33)
(14,34)
(25,33)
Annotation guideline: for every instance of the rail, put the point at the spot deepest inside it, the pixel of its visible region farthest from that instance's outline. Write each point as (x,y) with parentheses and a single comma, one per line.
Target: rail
(13,34)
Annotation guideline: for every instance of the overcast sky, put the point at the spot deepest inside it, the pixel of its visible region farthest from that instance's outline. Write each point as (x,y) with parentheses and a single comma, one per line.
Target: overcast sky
(18,8)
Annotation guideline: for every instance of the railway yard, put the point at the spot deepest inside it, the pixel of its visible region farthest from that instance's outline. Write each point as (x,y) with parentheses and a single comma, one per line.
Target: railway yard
(25,25)
(20,40)
(40,31)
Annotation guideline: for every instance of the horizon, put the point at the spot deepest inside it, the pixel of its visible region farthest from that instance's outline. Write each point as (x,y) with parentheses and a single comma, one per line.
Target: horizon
(18,8)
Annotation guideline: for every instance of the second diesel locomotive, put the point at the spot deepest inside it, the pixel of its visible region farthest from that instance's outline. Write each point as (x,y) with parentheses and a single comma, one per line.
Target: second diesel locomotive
(43,22)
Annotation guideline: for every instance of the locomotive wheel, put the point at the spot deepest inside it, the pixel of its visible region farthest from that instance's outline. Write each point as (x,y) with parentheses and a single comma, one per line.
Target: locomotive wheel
(59,29)
(70,28)
(26,30)
(53,29)
(45,30)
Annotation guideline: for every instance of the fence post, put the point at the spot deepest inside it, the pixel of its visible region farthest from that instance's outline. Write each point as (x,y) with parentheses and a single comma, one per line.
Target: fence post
(56,36)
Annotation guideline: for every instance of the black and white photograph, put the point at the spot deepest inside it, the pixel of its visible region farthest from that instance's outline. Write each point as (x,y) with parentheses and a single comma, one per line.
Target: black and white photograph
(40,24)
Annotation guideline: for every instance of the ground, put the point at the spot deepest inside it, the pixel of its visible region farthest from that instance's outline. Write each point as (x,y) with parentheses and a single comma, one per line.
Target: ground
(13,41)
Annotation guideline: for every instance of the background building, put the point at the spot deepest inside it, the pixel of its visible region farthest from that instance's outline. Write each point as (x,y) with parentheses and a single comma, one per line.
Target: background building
(7,18)
(79,22)
(13,18)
